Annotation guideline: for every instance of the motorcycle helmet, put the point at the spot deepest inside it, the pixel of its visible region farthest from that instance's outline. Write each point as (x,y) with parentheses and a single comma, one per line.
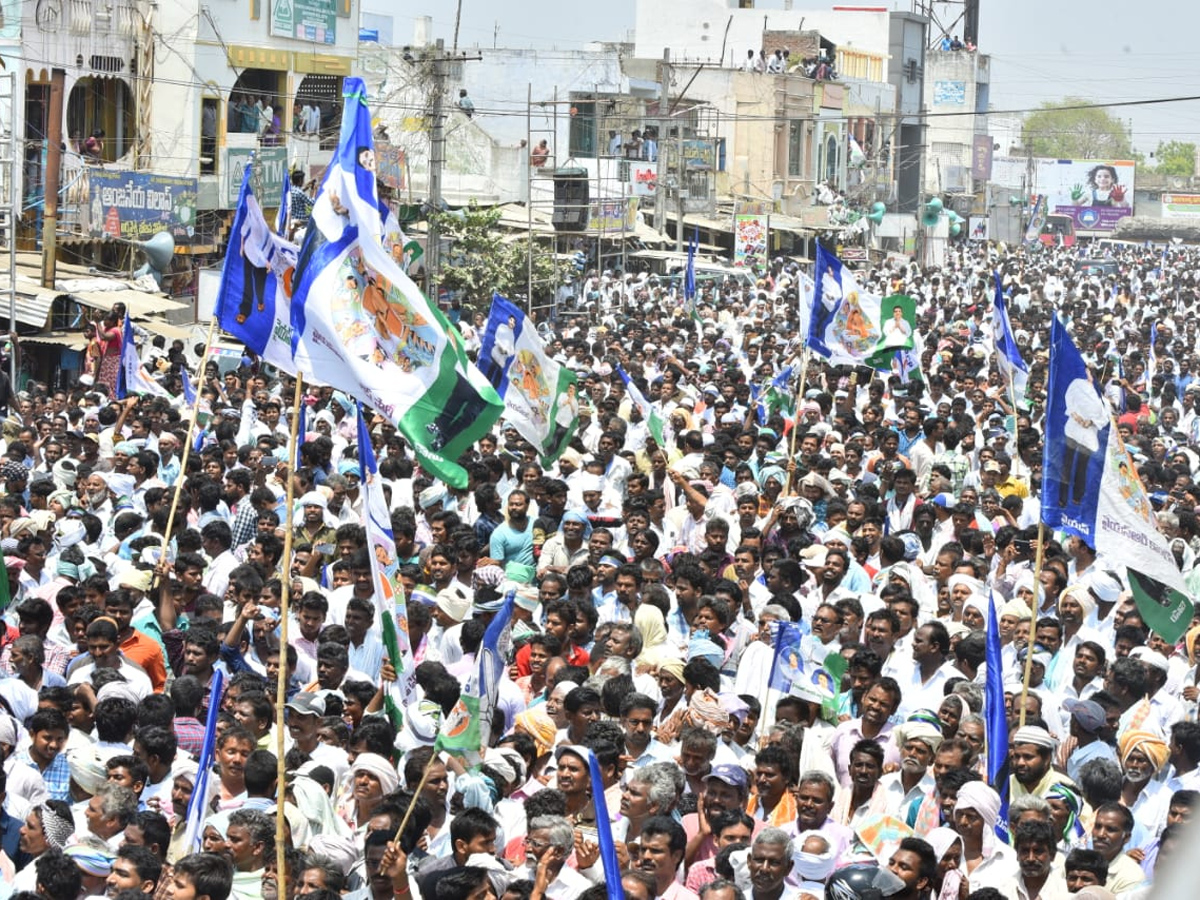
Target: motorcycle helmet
(862,881)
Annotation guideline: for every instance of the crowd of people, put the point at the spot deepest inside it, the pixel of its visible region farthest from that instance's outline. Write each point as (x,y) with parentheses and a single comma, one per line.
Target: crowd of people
(648,584)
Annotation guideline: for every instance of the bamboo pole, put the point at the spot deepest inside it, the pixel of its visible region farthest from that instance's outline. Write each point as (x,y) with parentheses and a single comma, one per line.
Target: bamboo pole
(787,488)
(187,444)
(285,590)
(1037,591)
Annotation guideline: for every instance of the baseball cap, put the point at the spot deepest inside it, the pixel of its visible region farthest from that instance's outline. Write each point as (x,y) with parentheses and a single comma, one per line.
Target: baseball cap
(992,466)
(307,705)
(1088,713)
(734,776)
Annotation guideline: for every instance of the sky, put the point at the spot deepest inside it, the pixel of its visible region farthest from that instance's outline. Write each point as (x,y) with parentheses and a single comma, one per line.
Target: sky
(1041,50)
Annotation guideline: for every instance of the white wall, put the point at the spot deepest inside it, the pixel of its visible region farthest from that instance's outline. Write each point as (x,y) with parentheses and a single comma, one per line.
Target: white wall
(695,29)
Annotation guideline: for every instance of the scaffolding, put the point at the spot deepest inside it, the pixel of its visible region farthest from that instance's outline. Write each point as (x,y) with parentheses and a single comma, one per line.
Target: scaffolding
(10,199)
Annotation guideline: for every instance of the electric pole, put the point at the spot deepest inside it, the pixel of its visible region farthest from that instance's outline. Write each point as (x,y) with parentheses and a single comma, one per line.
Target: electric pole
(437,159)
(660,178)
(58,79)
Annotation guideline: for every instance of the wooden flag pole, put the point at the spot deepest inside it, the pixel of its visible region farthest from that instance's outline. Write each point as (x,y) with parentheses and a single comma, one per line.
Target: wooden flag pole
(1037,593)
(787,488)
(433,757)
(284,591)
(187,444)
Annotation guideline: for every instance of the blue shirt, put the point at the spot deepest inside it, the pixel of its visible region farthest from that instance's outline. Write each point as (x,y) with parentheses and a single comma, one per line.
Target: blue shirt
(57,775)
(508,545)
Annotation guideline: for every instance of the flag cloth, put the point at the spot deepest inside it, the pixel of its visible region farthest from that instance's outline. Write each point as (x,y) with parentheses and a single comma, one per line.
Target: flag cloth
(540,396)
(467,729)
(844,327)
(689,275)
(653,420)
(285,202)
(252,302)
(858,159)
(777,397)
(1012,368)
(189,392)
(787,665)
(391,608)
(1091,489)
(996,719)
(363,327)
(807,292)
(131,377)
(1152,366)
(301,430)
(1037,220)
(197,808)
(604,835)
(5,596)
(898,330)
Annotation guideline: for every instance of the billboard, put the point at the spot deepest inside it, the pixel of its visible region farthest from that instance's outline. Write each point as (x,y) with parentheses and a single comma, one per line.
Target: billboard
(314,21)
(1181,206)
(1095,193)
(750,240)
(272,164)
(607,216)
(138,205)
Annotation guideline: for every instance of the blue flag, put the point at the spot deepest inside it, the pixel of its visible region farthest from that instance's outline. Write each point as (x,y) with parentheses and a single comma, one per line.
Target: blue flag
(1152,367)
(284,213)
(131,377)
(197,810)
(360,325)
(1008,358)
(467,729)
(301,428)
(251,301)
(1091,489)
(189,392)
(845,323)
(608,847)
(787,665)
(689,275)
(996,720)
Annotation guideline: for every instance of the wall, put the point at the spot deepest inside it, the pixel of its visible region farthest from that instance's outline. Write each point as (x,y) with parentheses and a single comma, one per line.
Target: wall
(696,29)
(955,82)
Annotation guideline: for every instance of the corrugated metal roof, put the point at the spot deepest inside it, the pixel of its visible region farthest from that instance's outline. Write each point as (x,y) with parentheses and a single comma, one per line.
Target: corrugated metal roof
(33,301)
(73,341)
(139,303)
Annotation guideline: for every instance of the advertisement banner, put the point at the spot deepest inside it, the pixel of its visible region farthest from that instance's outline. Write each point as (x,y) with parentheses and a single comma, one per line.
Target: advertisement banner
(137,205)
(391,166)
(314,21)
(750,240)
(1181,206)
(643,179)
(272,164)
(1095,193)
(607,216)
(949,93)
(981,157)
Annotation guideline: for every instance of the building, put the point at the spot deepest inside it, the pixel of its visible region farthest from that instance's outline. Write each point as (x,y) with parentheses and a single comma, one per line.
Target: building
(957,86)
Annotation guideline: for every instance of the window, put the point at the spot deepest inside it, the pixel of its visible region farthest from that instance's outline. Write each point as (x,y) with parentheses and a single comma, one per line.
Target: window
(795,163)
(210,116)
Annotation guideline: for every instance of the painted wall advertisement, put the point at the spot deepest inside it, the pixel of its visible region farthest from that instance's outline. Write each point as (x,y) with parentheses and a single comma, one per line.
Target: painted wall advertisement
(137,205)
(949,93)
(305,20)
(1181,206)
(1095,193)
(750,234)
(606,216)
(391,166)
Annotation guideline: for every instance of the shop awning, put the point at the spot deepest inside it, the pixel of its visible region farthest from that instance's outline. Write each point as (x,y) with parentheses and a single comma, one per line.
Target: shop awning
(72,341)
(139,303)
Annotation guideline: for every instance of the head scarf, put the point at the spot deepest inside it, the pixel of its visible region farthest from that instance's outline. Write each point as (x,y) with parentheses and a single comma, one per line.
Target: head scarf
(572,515)
(316,807)
(339,849)
(942,840)
(91,859)
(706,711)
(1034,734)
(973,584)
(1082,596)
(652,626)
(477,790)
(768,472)
(700,647)
(673,667)
(1148,742)
(978,796)
(537,723)
(219,822)
(918,730)
(814,867)
(1074,804)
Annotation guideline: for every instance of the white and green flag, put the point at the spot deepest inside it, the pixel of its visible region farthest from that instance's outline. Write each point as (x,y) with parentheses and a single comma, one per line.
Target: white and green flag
(654,421)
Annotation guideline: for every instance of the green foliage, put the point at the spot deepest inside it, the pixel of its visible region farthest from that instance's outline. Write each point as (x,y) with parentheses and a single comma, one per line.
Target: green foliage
(1062,133)
(481,261)
(1174,158)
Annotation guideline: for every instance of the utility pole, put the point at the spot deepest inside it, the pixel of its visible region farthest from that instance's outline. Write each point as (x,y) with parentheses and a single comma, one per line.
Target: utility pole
(437,158)
(10,210)
(58,80)
(678,187)
(660,179)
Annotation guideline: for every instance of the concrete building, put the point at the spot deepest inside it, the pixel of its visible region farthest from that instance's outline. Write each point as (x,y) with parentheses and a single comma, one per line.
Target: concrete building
(957,86)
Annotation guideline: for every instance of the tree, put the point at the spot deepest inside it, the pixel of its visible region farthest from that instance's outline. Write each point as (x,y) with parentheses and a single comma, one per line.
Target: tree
(1059,132)
(480,261)
(1175,158)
